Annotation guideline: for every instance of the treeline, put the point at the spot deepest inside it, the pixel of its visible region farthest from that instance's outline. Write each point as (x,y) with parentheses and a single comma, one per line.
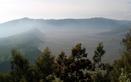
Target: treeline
(76,67)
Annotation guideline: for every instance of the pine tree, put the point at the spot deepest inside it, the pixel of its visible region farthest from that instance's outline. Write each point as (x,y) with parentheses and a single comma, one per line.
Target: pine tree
(19,66)
(101,70)
(45,65)
(75,67)
(99,52)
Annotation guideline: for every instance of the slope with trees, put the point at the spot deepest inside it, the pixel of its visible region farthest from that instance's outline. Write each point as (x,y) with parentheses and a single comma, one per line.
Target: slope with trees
(76,67)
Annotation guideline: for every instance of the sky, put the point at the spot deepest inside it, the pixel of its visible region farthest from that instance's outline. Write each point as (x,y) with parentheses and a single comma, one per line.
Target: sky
(59,9)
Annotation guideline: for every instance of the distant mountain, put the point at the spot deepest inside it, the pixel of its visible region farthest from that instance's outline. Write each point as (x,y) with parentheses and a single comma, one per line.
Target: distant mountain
(31,35)
(25,24)
(90,23)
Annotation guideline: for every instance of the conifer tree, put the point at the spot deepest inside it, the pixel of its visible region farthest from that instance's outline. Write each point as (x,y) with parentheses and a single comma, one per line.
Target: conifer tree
(75,67)
(101,70)
(45,65)
(19,66)
(99,52)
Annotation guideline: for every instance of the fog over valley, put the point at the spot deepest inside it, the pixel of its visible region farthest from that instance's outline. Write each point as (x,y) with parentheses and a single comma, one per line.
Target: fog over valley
(31,36)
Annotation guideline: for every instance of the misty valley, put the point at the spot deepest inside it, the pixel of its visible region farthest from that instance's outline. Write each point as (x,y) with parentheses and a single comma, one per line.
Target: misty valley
(65,40)
(32,36)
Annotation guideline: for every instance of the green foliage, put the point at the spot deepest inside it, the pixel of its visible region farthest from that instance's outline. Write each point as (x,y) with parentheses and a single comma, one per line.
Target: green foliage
(32,74)
(125,60)
(123,76)
(101,71)
(127,41)
(45,65)
(70,68)
(75,67)
(99,52)
(19,66)
(6,77)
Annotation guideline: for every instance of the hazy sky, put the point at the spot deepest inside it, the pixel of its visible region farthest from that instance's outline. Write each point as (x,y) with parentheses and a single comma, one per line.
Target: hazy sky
(13,9)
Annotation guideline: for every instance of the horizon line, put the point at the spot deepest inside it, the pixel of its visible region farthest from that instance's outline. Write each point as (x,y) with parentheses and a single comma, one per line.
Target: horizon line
(66,18)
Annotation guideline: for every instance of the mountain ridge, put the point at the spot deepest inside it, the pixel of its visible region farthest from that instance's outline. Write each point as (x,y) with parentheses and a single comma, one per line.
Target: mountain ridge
(25,24)
(67,19)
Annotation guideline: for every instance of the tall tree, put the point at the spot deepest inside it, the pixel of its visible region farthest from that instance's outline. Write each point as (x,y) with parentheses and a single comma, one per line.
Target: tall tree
(19,66)
(101,70)
(99,52)
(45,65)
(125,61)
(75,67)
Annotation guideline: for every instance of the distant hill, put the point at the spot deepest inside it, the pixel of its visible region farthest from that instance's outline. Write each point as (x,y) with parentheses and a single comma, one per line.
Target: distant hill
(24,24)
